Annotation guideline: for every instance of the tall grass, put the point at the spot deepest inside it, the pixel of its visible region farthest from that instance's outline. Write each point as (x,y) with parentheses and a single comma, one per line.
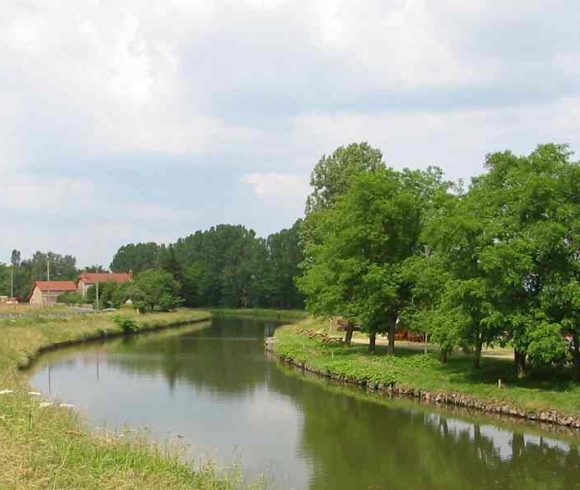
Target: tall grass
(45,445)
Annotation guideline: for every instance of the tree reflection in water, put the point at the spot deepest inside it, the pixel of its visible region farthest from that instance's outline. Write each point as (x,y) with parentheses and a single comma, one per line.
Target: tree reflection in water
(311,433)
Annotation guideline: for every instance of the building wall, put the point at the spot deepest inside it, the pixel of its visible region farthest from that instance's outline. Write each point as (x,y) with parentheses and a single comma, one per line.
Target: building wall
(82,288)
(36,298)
(40,297)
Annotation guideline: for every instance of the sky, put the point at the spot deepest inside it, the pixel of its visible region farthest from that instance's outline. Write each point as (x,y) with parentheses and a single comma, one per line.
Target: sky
(147,120)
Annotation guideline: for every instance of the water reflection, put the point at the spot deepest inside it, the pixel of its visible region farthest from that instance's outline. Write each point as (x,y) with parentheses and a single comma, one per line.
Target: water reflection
(215,388)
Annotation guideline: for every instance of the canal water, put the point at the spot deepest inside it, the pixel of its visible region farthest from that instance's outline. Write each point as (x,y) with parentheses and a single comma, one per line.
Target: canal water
(212,388)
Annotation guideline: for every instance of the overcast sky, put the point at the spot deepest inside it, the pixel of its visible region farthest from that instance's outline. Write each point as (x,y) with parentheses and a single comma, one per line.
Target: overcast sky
(135,120)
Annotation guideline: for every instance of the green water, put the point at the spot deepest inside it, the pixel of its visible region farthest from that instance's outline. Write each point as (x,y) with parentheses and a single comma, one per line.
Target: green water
(212,388)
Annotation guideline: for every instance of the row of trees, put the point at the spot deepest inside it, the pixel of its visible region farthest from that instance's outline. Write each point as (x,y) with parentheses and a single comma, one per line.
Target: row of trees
(498,263)
(227,266)
(19,275)
(151,290)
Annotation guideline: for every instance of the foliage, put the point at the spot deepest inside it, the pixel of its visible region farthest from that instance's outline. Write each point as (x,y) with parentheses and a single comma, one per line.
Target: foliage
(136,257)
(511,247)
(412,369)
(71,298)
(62,267)
(127,324)
(156,289)
(111,294)
(332,175)
(225,266)
(361,243)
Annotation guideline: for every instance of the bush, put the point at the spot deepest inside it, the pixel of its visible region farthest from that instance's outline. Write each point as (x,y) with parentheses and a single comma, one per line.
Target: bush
(71,298)
(128,325)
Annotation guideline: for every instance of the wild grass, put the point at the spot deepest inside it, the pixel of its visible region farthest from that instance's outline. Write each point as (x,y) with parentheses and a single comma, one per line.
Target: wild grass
(263,314)
(45,445)
(410,368)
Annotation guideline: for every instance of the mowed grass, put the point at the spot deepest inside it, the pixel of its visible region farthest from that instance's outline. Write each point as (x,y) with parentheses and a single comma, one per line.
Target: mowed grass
(410,368)
(45,445)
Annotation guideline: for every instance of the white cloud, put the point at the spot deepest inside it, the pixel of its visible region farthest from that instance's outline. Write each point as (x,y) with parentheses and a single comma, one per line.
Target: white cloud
(269,86)
(47,195)
(278,185)
(463,137)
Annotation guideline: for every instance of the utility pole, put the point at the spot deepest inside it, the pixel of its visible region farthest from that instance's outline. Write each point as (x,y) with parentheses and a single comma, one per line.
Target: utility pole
(11,283)
(48,279)
(97,295)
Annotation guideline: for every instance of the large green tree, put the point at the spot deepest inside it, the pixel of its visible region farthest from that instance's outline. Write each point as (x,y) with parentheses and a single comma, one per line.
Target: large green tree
(511,248)
(136,257)
(333,173)
(355,267)
(331,178)
(155,289)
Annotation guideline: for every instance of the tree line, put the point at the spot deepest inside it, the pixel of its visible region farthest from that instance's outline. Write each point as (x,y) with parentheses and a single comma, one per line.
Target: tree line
(497,263)
(227,266)
(19,275)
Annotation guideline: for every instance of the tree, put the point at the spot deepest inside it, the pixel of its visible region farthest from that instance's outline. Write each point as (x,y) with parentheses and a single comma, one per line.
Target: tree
(155,289)
(15,258)
(511,247)
(284,256)
(111,294)
(62,267)
(223,266)
(4,280)
(136,257)
(95,268)
(71,298)
(355,267)
(331,178)
(332,175)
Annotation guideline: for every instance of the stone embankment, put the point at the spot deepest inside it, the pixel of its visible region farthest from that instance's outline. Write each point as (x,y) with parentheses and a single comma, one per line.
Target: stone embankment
(436,397)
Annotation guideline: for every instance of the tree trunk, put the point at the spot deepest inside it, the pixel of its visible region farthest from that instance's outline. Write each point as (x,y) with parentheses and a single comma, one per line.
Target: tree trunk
(477,353)
(392,327)
(372,342)
(348,334)
(520,359)
(576,353)
(444,356)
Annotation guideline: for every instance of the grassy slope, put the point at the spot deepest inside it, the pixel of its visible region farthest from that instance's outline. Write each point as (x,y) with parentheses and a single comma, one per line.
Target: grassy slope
(51,447)
(413,369)
(263,314)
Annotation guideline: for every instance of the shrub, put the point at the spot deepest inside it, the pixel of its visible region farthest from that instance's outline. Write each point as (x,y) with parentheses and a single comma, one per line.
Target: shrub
(128,325)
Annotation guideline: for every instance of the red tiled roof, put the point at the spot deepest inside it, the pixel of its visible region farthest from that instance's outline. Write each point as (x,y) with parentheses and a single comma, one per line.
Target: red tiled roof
(56,285)
(94,277)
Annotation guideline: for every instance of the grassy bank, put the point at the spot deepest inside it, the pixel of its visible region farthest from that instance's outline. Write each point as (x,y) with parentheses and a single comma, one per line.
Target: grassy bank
(410,369)
(263,314)
(45,445)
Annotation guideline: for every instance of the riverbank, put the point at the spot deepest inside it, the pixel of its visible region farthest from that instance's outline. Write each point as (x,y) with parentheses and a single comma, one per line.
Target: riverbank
(414,374)
(263,314)
(48,445)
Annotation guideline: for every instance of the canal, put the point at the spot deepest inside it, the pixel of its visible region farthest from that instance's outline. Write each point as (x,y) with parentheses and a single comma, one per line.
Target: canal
(211,388)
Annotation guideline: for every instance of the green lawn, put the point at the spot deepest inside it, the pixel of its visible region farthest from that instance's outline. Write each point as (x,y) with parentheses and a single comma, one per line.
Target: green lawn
(413,369)
(49,446)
